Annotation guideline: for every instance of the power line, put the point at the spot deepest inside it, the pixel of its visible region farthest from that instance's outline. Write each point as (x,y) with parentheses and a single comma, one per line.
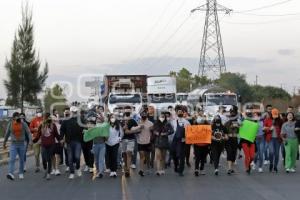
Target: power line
(265,22)
(269,15)
(142,42)
(165,27)
(264,7)
(170,37)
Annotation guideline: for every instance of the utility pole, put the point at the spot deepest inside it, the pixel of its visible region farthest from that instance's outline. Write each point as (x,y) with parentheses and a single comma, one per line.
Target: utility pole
(256,80)
(212,54)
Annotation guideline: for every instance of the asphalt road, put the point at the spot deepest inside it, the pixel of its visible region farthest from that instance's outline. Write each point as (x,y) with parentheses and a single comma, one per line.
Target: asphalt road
(169,187)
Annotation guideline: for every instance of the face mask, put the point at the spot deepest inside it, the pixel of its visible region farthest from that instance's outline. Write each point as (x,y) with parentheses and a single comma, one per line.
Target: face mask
(199,120)
(180,115)
(144,117)
(170,109)
(39,114)
(168,119)
(218,121)
(161,119)
(113,120)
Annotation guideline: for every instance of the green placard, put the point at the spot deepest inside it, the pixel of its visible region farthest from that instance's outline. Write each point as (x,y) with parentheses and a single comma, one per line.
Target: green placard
(98,131)
(248,130)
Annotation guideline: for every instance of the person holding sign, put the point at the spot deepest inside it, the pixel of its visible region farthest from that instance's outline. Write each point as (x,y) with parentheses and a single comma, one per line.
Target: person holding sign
(246,143)
(219,134)
(231,145)
(201,150)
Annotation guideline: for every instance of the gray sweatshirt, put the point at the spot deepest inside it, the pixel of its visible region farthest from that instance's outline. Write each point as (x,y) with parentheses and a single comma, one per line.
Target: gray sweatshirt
(26,135)
(288,128)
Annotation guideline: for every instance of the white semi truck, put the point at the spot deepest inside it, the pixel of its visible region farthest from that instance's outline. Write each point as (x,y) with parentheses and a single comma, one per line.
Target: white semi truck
(161,92)
(211,98)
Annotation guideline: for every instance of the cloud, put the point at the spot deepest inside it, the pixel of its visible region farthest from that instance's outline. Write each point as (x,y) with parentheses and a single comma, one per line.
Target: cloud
(286,52)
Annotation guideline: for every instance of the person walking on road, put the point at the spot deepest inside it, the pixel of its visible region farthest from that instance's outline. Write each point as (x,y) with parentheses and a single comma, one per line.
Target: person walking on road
(72,132)
(178,143)
(18,131)
(144,142)
(231,144)
(112,145)
(161,130)
(290,143)
(131,128)
(48,133)
(219,135)
(34,126)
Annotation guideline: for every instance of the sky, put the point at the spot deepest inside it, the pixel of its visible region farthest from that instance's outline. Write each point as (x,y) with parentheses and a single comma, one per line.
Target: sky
(146,37)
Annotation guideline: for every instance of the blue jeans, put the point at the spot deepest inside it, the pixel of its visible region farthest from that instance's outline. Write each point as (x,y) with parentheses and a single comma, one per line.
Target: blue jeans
(267,149)
(16,149)
(99,155)
(274,149)
(260,144)
(74,152)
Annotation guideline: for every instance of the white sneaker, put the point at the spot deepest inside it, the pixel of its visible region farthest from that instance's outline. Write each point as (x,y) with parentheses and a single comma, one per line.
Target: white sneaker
(133,166)
(111,174)
(67,169)
(162,172)
(53,172)
(260,170)
(292,170)
(71,176)
(79,173)
(21,176)
(266,162)
(115,174)
(107,171)
(86,169)
(253,166)
(57,172)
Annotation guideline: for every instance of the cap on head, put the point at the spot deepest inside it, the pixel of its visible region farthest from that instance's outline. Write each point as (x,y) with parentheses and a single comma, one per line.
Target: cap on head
(73,109)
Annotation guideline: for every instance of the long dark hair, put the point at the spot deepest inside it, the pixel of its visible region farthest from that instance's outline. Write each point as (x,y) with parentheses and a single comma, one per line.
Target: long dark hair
(116,124)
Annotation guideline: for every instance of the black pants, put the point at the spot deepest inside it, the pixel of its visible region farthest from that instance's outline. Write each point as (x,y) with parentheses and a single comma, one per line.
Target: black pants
(201,153)
(87,154)
(187,153)
(231,146)
(178,155)
(66,157)
(112,157)
(216,150)
(47,154)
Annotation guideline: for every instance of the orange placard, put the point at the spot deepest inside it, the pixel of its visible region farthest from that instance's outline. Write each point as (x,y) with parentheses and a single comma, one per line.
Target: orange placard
(198,134)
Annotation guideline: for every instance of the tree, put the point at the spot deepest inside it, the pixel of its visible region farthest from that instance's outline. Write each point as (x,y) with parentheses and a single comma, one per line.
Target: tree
(25,80)
(236,83)
(55,98)
(269,92)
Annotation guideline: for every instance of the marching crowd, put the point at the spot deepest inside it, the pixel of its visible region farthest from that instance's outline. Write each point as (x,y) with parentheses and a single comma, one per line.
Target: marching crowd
(158,141)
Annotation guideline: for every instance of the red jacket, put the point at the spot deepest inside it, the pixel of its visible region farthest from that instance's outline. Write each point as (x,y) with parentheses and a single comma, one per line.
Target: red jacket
(47,135)
(268,122)
(34,125)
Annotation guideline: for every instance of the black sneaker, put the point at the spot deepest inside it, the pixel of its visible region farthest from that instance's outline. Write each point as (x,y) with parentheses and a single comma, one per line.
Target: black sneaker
(271,168)
(196,173)
(141,173)
(188,164)
(127,174)
(10,176)
(248,171)
(100,175)
(229,172)
(216,172)
(275,169)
